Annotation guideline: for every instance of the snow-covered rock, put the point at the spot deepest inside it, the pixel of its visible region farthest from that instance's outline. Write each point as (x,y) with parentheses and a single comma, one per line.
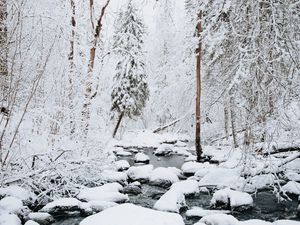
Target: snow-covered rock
(286,222)
(180,144)
(140,173)
(107,192)
(122,165)
(92,207)
(41,218)
(293,176)
(132,189)
(9,219)
(163,150)
(219,219)
(163,177)
(262,181)
(129,214)
(123,153)
(174,199)
(62,205)
(254,222)
(31,222)
(190,168)
(222,177)
(231,198)
(111,176)
(292,187)
(190,158)
(141,158)
(200,212)
(11,205)
(16,191)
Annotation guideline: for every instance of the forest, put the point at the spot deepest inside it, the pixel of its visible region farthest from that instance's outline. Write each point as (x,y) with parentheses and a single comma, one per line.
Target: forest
(149,112)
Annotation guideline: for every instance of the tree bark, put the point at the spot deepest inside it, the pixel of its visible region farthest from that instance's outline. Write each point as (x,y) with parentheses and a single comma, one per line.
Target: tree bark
(226,119)
(232,119)
(198,94)
(118,124)
(3,54)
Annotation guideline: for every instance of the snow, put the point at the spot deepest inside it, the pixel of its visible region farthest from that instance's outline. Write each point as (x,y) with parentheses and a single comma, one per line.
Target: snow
(11,205)
(62,204)
(129,214)
(123,153)
(96,206)
(9,219)
(163,149)
(140,172)
(217,154)
(200,212)
(286,222)
(223,177)
(254,222)
(16,191)
(190,158)
(174,199)
(31,222)
(219,219)
(122,165)
(292,187)
(293,176)
(234,198)
(162,174)
(262,181)
(193,167)
(40,217)
(111,176)
(141,158)
(107,192)
(180,144)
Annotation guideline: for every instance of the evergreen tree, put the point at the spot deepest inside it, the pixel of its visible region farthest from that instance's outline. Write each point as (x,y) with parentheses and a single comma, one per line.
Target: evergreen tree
(130,91)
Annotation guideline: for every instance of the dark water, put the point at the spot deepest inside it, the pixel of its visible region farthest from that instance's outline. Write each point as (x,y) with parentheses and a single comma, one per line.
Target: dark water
(266,206)
(161,161)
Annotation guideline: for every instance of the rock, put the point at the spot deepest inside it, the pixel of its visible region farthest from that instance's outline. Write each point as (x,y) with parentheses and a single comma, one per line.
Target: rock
(292,187)
(123,153)
(140,173)
(232,199)
(200,212)
(107,192)
(62,205)
(141,158)
(41,218)
(129,214)
(298,210)
(219,219)
(31,222)
(110,176)
(163,150)
(17,192)
(163,177)
(9,219)
(132,189)
(136,183)
(11,205)
(122,165)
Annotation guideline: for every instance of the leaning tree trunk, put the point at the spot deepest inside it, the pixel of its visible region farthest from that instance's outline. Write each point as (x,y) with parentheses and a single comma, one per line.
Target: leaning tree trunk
(118,124)
(198,96)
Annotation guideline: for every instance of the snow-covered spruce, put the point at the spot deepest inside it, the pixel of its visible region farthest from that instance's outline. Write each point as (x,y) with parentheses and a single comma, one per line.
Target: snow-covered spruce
(231,199)
(129,214)
(130,91)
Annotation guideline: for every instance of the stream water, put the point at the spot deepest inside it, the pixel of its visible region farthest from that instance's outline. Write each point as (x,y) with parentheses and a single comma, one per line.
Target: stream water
(266,205)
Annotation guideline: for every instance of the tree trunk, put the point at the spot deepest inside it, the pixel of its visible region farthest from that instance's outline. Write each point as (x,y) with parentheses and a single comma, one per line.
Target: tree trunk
(3,54)
(226,119)
(198,96)
(72,67)
(232,118)
(118,124)
(88,86)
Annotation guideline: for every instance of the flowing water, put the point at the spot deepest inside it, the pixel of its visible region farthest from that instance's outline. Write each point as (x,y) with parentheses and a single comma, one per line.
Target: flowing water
(266,205)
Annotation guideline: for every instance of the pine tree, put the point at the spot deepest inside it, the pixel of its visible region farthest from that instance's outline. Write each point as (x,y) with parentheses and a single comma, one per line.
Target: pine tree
(130,91)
